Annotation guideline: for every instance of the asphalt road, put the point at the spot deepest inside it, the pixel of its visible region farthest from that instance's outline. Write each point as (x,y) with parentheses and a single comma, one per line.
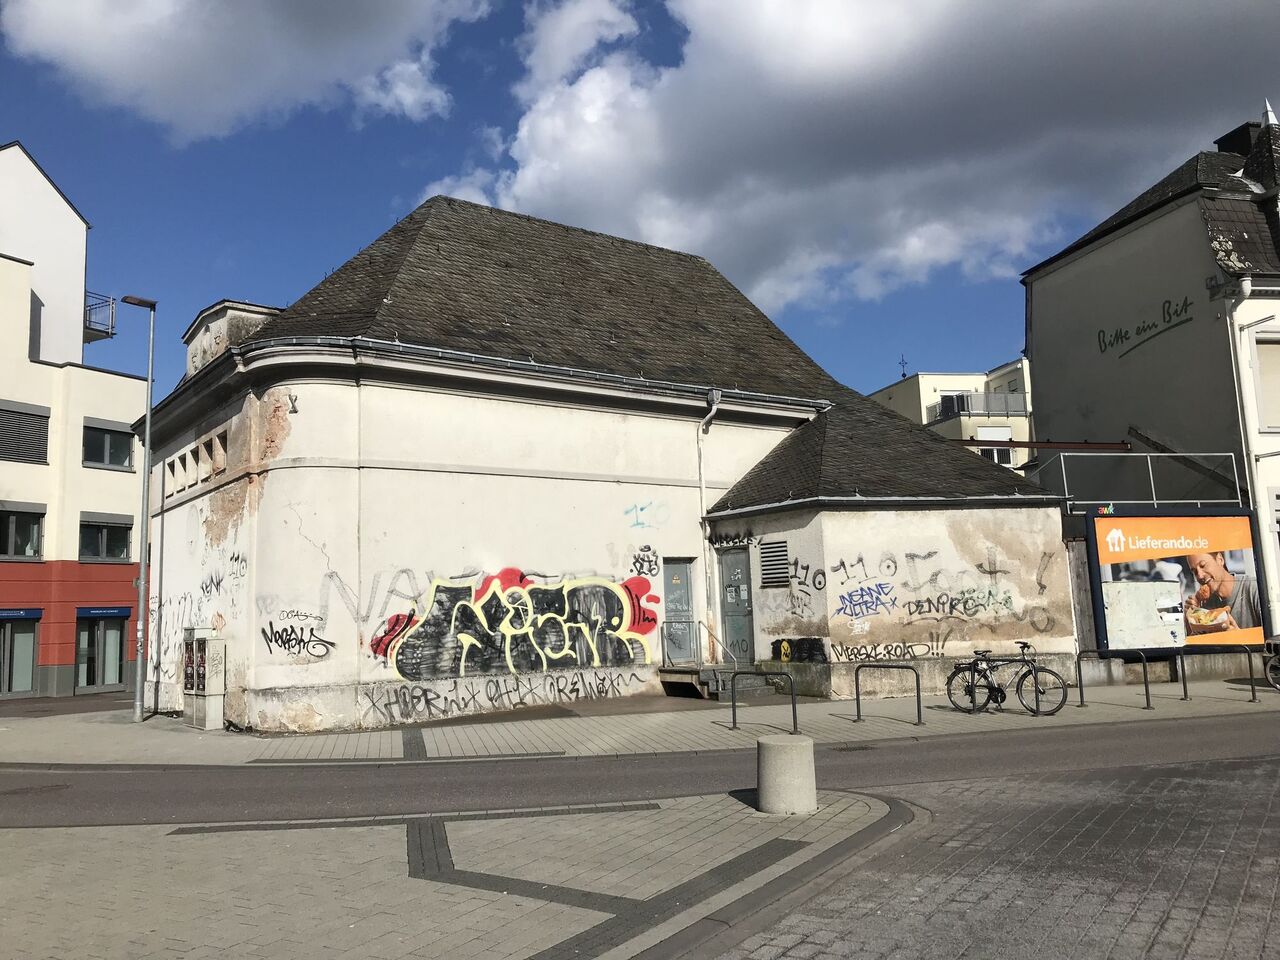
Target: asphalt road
(116,795)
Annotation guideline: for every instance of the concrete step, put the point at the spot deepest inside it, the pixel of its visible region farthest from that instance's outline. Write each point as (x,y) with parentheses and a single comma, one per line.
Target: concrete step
(718,686)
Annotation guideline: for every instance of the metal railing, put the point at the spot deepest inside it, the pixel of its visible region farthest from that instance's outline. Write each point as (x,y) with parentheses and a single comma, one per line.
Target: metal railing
(979,404)
(713,639)
(1248,656)
(1052,475)
(99,315)
(733,694)
(857,688)
(1146,683)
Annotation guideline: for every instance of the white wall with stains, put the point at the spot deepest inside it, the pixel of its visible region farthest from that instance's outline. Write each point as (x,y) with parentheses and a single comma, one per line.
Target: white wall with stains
(379,554)
(902,585)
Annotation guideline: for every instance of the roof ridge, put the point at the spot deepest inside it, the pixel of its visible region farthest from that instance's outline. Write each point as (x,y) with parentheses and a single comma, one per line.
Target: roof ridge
(611,237)
(397,273)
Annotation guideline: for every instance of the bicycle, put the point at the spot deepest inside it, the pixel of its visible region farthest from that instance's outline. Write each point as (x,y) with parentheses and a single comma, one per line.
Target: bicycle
(1271,662)
(972,685)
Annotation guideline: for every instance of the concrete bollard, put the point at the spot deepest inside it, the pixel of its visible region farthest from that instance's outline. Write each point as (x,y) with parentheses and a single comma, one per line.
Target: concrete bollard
(784,775)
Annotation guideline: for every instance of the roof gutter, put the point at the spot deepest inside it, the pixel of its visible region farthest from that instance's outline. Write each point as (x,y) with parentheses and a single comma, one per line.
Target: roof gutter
(1014,499)
(466,358)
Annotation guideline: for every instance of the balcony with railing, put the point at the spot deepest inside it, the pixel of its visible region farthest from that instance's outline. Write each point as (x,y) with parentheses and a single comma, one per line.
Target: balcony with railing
(978,405)
(99,317)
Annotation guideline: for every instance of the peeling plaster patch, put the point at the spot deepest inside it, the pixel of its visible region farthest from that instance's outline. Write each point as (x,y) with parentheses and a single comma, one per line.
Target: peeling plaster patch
(1224,250)
(226,509)
(275,423)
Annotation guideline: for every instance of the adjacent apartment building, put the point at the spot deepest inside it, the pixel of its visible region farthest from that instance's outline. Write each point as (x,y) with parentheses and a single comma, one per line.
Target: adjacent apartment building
(70,482)
(991,406)
(1159,327)
(494,461)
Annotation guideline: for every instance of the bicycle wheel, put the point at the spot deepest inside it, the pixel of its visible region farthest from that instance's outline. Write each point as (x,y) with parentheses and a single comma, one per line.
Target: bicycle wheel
(966,695)
(1272,670)
(1053,691)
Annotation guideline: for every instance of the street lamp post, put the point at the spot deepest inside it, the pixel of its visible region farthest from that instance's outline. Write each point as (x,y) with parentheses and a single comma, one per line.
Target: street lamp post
(139,672)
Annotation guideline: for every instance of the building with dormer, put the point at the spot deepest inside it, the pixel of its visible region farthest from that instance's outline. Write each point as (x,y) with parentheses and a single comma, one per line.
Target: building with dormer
(494,461)
(1159,327)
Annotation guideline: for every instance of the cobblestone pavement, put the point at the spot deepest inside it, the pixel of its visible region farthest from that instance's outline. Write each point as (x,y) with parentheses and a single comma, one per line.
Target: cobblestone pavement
(1157,863)
(111,737)
(541,883)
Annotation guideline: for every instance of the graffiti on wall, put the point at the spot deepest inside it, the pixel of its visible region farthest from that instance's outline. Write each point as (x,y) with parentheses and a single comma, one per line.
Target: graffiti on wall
(509,623)
(296,640)
(868,600)
(440,699)
(933,600)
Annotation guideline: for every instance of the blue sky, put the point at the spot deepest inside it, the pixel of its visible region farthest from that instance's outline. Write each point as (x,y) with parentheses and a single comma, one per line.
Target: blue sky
(872,212)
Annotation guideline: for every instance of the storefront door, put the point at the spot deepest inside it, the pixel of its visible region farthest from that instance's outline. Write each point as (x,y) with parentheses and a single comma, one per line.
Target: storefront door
(99,653)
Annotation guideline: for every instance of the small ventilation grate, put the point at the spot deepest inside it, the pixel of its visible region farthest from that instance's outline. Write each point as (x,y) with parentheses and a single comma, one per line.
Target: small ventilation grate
(775,564)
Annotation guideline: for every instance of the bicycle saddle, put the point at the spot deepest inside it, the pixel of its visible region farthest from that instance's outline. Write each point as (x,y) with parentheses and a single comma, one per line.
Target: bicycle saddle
(981,653)
(1024,645)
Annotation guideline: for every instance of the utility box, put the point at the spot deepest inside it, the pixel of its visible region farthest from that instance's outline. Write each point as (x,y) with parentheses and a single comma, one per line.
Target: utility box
(204,678)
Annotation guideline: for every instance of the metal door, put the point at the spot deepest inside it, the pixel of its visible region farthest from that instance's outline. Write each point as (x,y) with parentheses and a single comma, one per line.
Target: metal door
(679,626)
(735,604)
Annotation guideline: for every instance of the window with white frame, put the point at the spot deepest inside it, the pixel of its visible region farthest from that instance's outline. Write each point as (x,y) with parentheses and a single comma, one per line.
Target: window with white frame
(1001,455)
(1268,354)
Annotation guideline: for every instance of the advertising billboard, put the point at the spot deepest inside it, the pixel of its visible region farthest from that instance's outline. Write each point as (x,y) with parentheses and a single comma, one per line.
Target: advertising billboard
(1168,580)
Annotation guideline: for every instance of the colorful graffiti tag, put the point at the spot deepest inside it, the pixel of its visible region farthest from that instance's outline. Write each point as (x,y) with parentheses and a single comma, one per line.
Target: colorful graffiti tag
(509,623)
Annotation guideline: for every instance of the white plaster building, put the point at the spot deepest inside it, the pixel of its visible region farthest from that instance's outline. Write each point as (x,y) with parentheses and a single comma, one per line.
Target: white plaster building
(495,461)
(995,405)
(69,488)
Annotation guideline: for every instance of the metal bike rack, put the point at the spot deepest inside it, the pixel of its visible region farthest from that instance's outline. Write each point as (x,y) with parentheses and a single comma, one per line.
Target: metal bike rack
(1146,683)
(1248,656)
(733,694)
(1253,685)
(857,687)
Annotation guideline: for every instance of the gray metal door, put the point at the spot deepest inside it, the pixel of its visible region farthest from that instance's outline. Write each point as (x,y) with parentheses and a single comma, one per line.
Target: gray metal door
(679,626)
(735,604)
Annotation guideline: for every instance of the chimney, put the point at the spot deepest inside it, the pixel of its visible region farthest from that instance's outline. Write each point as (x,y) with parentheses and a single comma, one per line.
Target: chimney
(1240,140)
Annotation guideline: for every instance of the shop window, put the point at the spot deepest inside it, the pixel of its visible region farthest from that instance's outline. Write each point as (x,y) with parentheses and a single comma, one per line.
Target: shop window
(108,448)
(104,541)
(1268,353)
(20,535)
(100,655)
(17,656)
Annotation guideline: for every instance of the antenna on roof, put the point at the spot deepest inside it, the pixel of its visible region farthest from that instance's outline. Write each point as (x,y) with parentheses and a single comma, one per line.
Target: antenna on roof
(1269,116)
(902,362)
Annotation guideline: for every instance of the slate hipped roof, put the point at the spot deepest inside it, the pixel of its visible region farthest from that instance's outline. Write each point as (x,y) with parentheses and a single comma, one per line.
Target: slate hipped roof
(1237,201)
(460,276)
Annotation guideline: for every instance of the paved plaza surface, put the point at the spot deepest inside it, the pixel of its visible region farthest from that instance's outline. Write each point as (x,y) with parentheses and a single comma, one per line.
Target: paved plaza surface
(1108,831)
(1163,862)
(110,736)
(581,881)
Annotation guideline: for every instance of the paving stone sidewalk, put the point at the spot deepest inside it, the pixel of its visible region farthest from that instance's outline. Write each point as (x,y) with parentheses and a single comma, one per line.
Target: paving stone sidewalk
(586,881)
(110,736)
(1129,864)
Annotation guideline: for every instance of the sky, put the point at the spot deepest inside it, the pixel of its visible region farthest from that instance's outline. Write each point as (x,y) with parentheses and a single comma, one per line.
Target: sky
(874,175)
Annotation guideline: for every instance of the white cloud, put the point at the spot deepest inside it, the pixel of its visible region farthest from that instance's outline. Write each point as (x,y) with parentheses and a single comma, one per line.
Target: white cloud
(204,69)
(560,37)
(476,186)
(820,150)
